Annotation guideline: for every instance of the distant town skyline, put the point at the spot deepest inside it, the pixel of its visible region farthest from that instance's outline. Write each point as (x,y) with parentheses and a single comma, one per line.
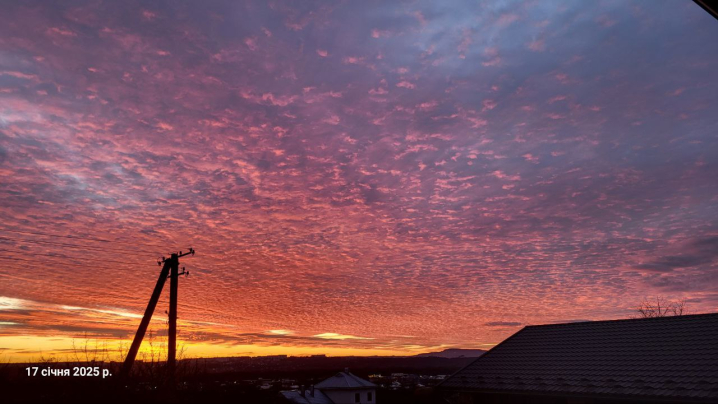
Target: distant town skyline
(357,178)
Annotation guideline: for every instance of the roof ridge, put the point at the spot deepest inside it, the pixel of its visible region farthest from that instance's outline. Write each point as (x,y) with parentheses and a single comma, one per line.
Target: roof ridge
(664,318)
(605,358)
(348,380)
(359,380)
(482,356)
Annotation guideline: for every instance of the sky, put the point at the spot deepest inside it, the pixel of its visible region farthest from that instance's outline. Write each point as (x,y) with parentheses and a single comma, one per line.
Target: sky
(357,178)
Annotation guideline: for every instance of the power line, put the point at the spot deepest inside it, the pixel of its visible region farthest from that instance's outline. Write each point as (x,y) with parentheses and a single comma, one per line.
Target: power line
(63,255)
(36,233)
(72,264)
(73,261)
(53,262)
(68,267)
(79,239)
(24,256)
(85,247)
(67,245)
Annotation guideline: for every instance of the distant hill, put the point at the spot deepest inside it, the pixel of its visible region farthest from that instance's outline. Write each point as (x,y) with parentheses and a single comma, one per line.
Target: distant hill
(454,353)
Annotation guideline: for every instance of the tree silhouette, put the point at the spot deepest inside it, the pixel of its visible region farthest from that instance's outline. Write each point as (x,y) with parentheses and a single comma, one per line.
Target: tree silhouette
(660,307)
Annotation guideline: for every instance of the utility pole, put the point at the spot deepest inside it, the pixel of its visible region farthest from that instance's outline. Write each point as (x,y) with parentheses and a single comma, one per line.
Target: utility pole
(170,268)
(172,333)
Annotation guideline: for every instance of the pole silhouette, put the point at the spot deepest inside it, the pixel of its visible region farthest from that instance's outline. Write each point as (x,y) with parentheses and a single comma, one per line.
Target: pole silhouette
(170,269)
(172,333)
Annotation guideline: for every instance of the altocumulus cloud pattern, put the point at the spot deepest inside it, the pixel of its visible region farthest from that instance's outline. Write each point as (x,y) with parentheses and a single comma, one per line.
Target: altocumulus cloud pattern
(386,176)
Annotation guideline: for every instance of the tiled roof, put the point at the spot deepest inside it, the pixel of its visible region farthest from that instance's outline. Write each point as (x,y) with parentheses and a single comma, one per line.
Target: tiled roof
(655,358)
(344,380)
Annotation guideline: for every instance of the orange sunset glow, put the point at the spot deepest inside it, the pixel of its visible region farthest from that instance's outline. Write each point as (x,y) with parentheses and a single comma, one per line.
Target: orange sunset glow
(356,180)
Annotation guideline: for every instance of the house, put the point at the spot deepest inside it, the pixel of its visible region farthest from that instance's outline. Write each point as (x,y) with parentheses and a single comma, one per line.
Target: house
(653,360)
(342,388)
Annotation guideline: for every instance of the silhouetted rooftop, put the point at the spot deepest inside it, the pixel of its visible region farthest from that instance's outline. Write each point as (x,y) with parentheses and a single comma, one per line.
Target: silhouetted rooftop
(308,397)
(655,358)
(344,380)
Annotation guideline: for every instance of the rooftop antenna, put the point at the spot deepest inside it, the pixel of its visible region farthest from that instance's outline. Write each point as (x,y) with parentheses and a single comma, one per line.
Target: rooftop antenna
(170,269)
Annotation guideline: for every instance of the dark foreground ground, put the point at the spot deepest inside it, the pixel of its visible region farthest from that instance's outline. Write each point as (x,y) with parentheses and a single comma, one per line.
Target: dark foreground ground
(223,380)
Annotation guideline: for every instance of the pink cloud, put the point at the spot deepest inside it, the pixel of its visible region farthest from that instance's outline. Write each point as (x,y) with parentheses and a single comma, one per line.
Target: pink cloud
(537,45)
(60,32)
(488,105)
(251,43)
(420,17)
(531,158)
(506,19)
(493,62)
(466,41)
(678,91)
(406,84)
(332,120)
(376,33)
(352,60)
(503,176)
(148,15)
(477,122)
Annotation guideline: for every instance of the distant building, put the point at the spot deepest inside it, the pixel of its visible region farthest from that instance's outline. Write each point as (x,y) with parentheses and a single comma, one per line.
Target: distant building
(342,388)
(654,360)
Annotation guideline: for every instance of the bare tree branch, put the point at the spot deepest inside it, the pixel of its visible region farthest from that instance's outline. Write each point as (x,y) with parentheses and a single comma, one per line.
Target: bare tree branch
(660,307)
